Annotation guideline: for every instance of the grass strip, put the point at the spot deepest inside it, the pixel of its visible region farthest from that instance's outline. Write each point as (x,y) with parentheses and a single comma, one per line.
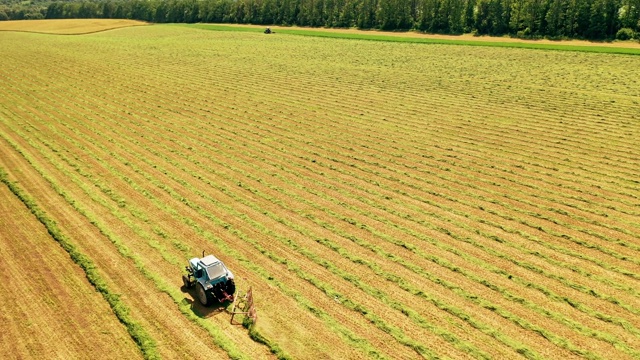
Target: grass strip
(143,340)
(391,38)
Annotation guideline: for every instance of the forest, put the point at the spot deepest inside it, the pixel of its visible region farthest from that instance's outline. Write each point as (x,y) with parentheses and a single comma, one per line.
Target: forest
(533,19)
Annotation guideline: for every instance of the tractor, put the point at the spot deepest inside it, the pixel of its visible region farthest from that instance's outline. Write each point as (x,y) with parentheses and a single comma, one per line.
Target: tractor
(213,281)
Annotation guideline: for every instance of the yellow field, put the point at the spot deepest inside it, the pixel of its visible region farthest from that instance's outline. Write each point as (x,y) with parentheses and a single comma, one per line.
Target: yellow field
(384,200)
(48,308)
(68,27)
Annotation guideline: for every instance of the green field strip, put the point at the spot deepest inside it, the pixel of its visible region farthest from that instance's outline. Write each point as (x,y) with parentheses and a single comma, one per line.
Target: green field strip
(218,337)
(139,335)
(388,38)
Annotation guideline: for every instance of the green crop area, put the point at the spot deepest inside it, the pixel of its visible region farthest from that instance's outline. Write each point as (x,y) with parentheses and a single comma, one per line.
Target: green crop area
(388,200)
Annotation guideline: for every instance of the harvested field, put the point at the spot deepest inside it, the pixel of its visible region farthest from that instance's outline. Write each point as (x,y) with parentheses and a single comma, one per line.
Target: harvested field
(384,200)
(47,307)
(68,27)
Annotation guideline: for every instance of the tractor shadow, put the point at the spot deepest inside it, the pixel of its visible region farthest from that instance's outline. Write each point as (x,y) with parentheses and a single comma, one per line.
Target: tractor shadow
(200,310)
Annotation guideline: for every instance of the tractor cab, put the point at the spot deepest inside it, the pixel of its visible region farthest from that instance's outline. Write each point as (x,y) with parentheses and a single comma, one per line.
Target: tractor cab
(212,279)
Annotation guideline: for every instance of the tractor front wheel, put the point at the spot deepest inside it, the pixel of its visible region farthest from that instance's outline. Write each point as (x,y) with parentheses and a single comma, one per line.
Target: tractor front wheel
(203,296)
(186,282)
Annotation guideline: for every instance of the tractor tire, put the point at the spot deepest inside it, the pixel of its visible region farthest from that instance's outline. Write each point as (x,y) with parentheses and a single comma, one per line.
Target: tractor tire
(203,296)
(231,287)
(185,281)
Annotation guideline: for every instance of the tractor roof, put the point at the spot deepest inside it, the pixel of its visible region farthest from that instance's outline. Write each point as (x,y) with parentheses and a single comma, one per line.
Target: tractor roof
(209,260)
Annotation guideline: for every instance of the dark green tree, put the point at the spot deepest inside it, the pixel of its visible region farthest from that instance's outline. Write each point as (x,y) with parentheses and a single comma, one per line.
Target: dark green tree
(55,10)
(555,18)
(597,21)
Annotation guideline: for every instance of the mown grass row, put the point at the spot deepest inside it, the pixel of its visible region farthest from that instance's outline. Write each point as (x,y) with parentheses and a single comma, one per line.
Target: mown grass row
(139,335)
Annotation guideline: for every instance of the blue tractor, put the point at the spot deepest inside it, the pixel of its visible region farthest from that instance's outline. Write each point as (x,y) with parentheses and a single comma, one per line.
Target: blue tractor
(213,281)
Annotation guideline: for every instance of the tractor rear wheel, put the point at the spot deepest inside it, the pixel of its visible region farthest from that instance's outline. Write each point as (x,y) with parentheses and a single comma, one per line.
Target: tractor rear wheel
(203,296)
(231,287)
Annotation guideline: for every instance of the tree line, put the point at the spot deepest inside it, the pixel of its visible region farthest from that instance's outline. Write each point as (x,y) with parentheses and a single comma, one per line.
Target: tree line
(555,19)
